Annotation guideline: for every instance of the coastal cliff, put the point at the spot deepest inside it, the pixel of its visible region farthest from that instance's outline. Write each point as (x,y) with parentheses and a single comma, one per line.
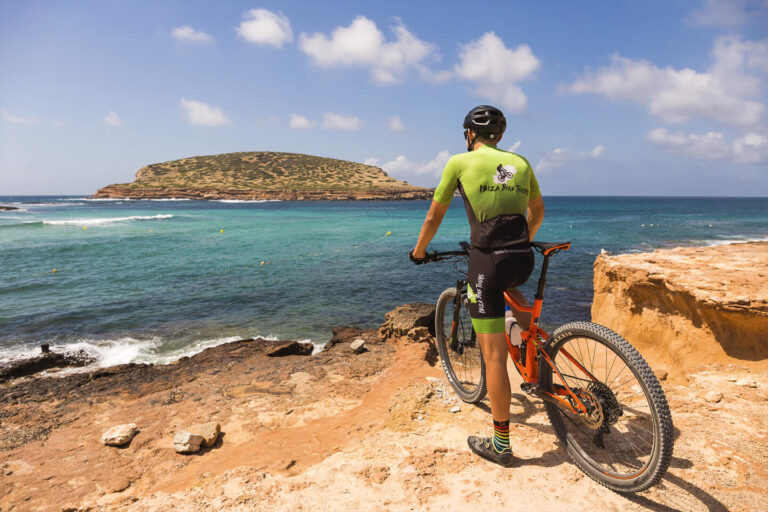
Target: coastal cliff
(685,307)
(264,176)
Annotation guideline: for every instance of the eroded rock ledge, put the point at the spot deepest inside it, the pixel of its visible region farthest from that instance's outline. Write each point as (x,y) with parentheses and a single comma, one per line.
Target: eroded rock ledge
(685,307)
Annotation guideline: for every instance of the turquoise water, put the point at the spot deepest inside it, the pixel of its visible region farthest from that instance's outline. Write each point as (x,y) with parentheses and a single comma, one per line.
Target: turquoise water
(154,280)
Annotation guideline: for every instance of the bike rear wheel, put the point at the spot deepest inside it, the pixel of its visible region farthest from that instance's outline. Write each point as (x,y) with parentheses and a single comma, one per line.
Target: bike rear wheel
(626,441)
(461,356)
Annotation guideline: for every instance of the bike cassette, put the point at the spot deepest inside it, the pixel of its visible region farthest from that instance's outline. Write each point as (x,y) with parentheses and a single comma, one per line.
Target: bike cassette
(593,418)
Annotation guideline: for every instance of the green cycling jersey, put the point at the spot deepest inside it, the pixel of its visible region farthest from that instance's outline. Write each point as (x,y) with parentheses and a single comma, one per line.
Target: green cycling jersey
(496,186)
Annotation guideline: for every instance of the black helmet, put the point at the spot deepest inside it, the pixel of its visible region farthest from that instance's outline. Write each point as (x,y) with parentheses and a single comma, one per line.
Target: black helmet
(487,121)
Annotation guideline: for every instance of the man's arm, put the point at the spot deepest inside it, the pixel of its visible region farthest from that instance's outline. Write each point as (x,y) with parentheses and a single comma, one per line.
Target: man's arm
(535,215)
(429,228)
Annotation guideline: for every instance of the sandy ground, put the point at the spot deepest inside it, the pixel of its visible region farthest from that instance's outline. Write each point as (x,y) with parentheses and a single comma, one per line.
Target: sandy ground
(392,447)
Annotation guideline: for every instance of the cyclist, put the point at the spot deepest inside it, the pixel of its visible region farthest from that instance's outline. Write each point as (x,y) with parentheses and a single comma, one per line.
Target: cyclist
(505,209)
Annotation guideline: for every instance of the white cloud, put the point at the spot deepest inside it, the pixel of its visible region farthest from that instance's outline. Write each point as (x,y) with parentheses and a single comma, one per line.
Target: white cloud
(264,27)
(14,119)
(403,167)
(496,69)
(726,13)
(198,113)
(726,93)
(515,146)
(301,123)
(112,119)
(333,121)
(188,35)
(564,156)
(371,161)
(395,124)
(363,45)
(752,148)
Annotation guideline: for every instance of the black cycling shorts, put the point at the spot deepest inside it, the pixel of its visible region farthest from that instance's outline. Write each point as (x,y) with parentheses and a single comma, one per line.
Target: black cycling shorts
(490,273)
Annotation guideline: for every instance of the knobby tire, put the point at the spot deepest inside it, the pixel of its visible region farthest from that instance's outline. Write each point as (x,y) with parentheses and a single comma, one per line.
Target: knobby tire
(466,370)
(656,437)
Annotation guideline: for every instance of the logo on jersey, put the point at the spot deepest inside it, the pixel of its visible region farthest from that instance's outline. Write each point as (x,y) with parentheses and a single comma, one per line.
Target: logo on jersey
(504,173)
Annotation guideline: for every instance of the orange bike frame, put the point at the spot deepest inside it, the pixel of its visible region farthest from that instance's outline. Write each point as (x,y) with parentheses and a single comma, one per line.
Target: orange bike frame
(529,369)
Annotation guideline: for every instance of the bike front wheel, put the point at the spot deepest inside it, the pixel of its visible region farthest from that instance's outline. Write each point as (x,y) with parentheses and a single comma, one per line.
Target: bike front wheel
(625,440)
(459,353)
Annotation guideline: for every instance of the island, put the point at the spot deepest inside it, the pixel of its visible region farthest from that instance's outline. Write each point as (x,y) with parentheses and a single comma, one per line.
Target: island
(264,175)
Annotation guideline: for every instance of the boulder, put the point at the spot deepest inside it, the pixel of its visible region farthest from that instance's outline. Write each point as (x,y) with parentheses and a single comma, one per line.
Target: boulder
(187,442)
(291,348)
(45,361)
(404,318)
(119,434)
(209,431)
(358,346)
(713,397)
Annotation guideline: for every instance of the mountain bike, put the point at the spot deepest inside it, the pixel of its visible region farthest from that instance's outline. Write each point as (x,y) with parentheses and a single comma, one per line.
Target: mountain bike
(604,402)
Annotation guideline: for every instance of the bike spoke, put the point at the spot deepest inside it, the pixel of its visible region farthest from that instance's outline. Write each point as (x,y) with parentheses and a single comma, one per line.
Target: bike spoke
(626,446)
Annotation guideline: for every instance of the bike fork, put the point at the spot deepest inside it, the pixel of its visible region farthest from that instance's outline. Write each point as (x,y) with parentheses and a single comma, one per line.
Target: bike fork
(456,312)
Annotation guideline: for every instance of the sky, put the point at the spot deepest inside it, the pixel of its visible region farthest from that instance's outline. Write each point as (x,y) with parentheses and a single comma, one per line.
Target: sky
(631,97)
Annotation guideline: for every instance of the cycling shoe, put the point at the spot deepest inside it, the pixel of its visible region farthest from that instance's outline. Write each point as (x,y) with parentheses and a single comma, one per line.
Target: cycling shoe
(483,446)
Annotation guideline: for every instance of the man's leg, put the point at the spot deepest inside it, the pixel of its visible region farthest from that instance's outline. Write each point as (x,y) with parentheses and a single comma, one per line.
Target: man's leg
(495,353)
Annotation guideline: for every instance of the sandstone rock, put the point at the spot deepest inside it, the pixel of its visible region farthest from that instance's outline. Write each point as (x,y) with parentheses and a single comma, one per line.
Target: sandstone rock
(187,442)
(210,432)
(671,304)
(404,318)
(455,409)
(661,373)
(119,434)
(346,334)
(713,397)
(747,383)
(358,346)
(419,334)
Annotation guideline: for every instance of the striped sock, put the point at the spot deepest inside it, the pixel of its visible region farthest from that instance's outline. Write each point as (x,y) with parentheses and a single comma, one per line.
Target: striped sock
(500,435)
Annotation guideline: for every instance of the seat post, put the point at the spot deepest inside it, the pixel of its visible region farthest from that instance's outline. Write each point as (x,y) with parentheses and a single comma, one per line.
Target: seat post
(543,278)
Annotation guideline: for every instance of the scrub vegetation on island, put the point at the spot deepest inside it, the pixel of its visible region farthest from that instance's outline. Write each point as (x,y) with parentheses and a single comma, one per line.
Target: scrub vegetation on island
(264,175)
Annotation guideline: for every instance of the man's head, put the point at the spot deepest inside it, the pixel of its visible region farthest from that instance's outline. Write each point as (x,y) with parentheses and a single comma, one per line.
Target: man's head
(484,124)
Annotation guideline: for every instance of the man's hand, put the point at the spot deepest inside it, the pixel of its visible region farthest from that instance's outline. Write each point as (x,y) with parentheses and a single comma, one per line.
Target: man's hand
(418,260)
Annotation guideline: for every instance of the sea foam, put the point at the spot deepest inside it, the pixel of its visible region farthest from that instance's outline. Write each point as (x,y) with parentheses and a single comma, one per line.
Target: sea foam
(106,220)
(126,350)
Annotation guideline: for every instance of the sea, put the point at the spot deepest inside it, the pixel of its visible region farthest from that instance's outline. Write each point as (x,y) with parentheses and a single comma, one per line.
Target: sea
(156,280)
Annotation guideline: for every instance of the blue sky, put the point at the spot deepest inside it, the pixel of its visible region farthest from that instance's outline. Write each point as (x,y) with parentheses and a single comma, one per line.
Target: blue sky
(603,98)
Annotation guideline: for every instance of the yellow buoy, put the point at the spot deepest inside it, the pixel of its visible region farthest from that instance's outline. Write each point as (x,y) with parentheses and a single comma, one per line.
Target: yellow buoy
(221,231)
(54,271)
(389,233)
(85,227)
(262,263)
(150,230)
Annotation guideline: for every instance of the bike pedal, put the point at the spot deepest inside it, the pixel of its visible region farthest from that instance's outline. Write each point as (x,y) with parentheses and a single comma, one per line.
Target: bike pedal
(531,388)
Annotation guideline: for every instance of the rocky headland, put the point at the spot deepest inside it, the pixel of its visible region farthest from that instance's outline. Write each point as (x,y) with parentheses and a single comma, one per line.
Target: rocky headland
(370,423)
(264,176)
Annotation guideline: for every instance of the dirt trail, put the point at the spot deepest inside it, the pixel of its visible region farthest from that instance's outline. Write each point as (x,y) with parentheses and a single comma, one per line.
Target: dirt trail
(295,449)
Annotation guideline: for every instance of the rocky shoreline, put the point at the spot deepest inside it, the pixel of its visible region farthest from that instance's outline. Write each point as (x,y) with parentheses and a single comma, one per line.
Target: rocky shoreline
(368,423)
(120,191)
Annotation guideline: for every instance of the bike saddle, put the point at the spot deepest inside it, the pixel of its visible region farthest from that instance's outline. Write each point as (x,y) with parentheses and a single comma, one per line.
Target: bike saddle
(547,248)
